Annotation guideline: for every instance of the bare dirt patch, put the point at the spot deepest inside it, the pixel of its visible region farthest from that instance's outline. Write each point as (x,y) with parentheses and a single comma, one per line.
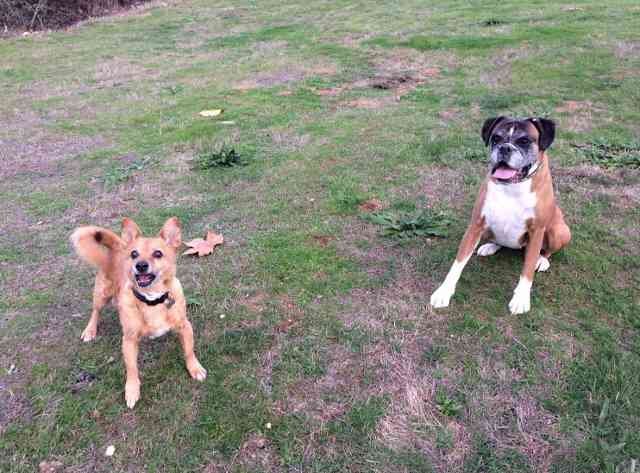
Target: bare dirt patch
(285,75)
(499,73)
(399,72)
(370,103)
(450,114)
(271,79)
(118,71)
(293,314)
(627,49)
(413,419)
(577,115)
(621,186)
(255,303)
(512,420)
(34,150)
(343,377)
(257,454)
(442,186)
(290,141)
(15,405)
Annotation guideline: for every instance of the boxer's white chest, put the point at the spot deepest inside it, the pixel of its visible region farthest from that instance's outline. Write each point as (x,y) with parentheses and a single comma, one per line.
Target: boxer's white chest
(506,210)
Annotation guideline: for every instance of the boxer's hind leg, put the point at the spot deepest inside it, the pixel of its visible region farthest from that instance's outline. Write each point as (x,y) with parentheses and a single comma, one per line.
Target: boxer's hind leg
(556,237)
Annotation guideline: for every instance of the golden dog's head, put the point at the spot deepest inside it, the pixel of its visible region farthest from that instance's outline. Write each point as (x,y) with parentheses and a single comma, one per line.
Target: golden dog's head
(151,262)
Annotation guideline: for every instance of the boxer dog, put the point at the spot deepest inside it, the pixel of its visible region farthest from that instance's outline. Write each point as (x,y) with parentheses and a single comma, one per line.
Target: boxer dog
(515,208)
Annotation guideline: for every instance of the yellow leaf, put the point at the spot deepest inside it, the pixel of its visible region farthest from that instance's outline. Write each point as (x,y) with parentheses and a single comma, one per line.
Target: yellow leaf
(211,113)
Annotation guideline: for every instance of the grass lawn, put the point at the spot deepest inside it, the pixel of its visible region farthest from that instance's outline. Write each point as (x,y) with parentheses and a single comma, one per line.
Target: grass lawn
(314,324)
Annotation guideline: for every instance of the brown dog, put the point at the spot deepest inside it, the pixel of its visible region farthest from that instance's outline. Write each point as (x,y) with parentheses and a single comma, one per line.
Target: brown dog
(140,274)
(515,208)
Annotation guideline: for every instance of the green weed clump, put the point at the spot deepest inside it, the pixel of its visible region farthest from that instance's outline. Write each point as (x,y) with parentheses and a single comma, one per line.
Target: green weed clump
(609,154)
(407,225)
(119,174)
(212,156)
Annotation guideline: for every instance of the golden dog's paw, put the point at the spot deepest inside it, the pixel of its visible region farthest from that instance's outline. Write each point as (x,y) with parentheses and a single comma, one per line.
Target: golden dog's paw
(89,334)
(197,371)
(132,393)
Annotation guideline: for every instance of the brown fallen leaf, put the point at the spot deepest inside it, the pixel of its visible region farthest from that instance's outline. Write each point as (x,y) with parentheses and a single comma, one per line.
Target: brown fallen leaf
(371,205)
(322,240)
(204,247)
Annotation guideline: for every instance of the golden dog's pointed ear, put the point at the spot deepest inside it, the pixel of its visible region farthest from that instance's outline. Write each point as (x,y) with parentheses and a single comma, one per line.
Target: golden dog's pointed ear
(130,231)
(171,233)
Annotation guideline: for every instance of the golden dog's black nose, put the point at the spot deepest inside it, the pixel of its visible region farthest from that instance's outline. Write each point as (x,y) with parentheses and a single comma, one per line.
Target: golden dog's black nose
(142,266)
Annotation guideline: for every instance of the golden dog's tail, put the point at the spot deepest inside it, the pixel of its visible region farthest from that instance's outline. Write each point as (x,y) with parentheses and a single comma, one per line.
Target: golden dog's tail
(95,245)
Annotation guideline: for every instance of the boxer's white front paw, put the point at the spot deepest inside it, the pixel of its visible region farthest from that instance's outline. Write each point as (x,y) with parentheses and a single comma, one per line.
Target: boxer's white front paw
(520,303)
(442,296)
(488,249)
(521,300)
(542,264)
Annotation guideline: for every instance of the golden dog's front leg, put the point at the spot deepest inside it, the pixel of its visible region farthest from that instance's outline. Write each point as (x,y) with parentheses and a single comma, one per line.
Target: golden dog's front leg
(521,300)
(130,356)
(193,365)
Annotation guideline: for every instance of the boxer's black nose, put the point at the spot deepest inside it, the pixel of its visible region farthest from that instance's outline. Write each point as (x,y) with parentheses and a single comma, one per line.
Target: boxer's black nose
(503,151)
(142,266)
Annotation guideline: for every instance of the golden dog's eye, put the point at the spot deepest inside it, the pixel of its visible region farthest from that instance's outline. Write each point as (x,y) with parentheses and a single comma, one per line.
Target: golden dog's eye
(134,254)
(157,254)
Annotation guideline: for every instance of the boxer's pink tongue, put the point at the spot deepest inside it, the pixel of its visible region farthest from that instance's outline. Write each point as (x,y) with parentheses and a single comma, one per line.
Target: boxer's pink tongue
(504,172)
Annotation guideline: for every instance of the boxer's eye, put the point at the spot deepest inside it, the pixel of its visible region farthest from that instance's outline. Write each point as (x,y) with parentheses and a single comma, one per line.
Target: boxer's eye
(523,142)
(496,139)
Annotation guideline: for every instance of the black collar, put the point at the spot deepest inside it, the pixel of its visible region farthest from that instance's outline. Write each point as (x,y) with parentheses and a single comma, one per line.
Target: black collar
(157,301)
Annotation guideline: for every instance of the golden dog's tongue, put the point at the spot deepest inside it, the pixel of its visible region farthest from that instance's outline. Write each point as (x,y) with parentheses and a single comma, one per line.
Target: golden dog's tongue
(504,172)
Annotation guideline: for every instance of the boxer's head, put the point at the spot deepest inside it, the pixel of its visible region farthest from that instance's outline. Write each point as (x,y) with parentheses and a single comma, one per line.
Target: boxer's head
(515,145)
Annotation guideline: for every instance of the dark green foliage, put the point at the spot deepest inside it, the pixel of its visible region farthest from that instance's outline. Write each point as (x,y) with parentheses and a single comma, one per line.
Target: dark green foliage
(611,154)
(411,225)
(486,458)
(120,173)
(217,156)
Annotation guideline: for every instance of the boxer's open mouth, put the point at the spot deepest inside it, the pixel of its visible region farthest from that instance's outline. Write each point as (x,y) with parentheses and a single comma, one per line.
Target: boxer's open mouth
(144,280)
(503,173)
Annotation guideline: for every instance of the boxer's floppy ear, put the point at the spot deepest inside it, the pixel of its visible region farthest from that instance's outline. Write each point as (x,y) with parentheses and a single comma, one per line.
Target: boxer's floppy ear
(547,131)
(488,127)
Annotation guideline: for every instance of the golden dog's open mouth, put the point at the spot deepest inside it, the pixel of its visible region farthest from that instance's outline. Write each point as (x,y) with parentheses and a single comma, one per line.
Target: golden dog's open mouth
(145,280)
